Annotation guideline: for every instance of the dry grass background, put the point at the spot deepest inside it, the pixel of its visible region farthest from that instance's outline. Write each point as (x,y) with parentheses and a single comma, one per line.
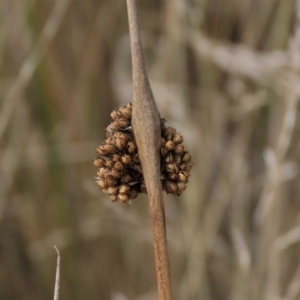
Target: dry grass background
(225,73)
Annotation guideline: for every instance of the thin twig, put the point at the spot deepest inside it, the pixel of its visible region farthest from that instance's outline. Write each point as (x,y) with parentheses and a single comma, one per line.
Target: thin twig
(57,277)
(146,127)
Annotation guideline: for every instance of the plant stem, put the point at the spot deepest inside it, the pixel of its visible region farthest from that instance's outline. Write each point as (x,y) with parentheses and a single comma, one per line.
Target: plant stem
(147,132)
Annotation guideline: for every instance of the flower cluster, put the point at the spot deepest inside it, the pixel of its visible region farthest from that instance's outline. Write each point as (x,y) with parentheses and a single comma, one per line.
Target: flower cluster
(119,169)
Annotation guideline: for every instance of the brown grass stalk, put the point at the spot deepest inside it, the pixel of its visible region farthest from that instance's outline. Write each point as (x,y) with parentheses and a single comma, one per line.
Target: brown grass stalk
(146,127)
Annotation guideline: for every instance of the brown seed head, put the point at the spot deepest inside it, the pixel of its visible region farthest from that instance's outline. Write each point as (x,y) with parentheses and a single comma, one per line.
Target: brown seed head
(114,115)
(102,184)
(113,198)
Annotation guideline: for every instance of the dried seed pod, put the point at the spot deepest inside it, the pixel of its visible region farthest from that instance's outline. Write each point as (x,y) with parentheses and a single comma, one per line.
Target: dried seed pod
(102,184)
(110,181)
(189,165)
(183,176)
(122,198)
(170,187)
(177,138)
(126,178)
(119,166)
(186,157)
(169,132)
(132,193)
(179,149)
(99,162)
(163,141)
(101,171)
(169,145)
(136,159)
(124,113)
(173,176)
(116,157)
(124,188)
(120,140)
(164,151)
(126,159)
(123,123)
(177,159)
(109,163)
(169,158)
(171,168)
(181,186)
(114,115)
(113,198)
(116,173)
(111,129)
(112,190)
(182,166)
(131,147)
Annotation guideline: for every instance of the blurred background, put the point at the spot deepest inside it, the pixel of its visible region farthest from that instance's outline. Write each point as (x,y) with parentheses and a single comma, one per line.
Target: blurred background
(225,74)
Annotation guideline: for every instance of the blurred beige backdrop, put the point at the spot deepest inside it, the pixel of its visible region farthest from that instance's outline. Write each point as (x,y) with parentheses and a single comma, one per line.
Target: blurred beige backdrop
(225,74)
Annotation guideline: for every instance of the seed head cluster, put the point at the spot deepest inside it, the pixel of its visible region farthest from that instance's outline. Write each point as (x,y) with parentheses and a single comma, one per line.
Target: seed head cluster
(119,169)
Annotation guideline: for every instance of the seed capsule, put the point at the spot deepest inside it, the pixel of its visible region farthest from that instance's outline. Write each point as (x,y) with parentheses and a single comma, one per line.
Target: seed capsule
(164,151)
(101,183)
(126,159)
(116,173)
(99,162)
(171,168)
(114,115)
(126,178)
(172,176)
(169,145)
(181,186)
(177,159)
(119,166)
(169,132)
(169,158)
(124,188)
(110,181)
(183,176)
(131,147)
(116,157)
(122,198)
(177,138)
(136,159)
(132,194)
(109,163)
(186,157)
(113,198)
(123,123)
(101,172)
(112,190)
(179,149)
(163,141)
(170,187)
(120,140)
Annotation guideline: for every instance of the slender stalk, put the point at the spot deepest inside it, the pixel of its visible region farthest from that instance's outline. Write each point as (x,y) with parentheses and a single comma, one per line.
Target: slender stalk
(57,276)
(146,127)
